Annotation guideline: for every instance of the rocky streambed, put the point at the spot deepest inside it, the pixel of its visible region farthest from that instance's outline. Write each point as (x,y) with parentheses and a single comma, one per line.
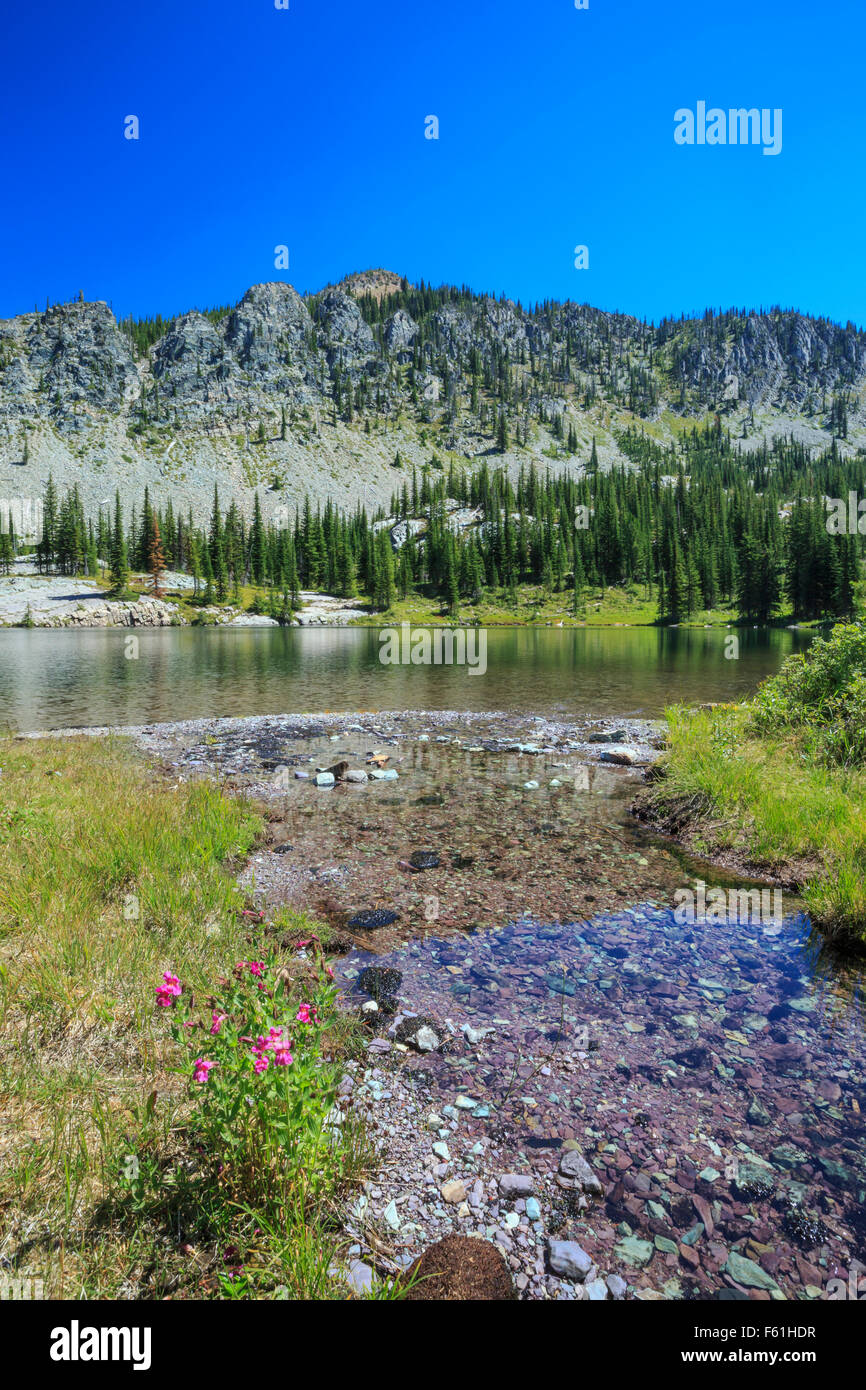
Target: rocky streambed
(627,1104)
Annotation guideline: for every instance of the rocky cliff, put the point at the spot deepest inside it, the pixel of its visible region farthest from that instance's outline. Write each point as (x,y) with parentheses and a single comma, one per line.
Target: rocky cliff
(320,394)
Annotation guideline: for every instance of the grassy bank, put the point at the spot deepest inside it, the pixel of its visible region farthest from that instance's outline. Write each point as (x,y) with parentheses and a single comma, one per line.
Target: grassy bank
(777,786)
(121,1174)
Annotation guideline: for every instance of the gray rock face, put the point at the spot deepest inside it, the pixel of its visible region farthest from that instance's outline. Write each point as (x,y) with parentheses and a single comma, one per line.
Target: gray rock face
(72,356)
(406,530)
(267,331)
(399,334)
(567,1259)
(77,354)
(188,359)
(250,399)
(347,338)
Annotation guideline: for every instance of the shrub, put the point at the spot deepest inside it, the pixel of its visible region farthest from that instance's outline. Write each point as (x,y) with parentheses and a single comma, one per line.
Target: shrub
(822,694)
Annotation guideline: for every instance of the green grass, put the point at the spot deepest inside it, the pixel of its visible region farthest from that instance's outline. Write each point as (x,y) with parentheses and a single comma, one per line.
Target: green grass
(108,877)
(537,606)
(761,800)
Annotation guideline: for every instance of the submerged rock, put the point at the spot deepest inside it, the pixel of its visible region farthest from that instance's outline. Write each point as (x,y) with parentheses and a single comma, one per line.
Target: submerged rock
(573,1165)
(568,1259)
(744,1271)
(516,1184)
(370,919)
(424,859)
(421,1032)
(380,982)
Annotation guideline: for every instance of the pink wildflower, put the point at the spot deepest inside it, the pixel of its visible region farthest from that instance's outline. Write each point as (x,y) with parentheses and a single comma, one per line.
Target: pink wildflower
(217,1022)
(260,1051)
(201,1069)
(167,991)
(307,1013)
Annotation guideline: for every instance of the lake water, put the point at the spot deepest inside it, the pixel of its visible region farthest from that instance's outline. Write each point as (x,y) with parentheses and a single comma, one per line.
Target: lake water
(62,678)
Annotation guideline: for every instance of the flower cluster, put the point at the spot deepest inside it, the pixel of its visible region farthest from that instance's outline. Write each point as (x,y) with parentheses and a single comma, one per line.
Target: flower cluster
(256,968)
(275,1047)
(170,989)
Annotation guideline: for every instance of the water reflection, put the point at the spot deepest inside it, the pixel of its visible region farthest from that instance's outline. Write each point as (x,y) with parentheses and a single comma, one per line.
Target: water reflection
(77,678)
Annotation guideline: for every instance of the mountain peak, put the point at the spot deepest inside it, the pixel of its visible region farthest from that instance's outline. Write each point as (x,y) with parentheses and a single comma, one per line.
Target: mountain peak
(377,283)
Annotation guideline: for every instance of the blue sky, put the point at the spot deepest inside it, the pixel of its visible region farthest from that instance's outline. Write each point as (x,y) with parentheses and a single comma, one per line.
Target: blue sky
(262,127)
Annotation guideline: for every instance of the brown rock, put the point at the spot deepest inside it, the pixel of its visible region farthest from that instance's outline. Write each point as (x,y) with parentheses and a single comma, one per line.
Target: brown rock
(702,1207)
(460,1268)
(786,1054)
(454,1191)
(808,1272)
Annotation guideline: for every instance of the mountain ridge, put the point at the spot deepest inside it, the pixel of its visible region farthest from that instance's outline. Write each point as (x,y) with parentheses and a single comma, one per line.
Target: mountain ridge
(323,393)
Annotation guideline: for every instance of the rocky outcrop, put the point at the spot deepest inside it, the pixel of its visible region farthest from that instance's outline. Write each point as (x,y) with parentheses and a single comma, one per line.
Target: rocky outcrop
(143,612)
(347,339)
(73,363)
(69,363)
(399,334)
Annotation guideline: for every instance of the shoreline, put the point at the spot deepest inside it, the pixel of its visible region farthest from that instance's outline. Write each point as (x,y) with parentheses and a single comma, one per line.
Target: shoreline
(642,736)
(90,606)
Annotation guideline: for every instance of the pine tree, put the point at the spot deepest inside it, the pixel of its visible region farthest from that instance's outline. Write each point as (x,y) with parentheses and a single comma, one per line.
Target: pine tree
(156,559)
(119,563)
(502,434)
(257,545)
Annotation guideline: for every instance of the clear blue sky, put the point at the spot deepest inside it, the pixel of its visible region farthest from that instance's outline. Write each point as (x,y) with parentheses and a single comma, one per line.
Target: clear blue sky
(305,127)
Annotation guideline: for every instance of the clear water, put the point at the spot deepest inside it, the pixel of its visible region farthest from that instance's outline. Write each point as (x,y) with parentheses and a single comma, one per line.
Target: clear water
(56,679)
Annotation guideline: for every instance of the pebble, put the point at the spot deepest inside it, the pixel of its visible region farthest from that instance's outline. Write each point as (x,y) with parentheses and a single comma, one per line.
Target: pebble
(516,1184)
(454,1191)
